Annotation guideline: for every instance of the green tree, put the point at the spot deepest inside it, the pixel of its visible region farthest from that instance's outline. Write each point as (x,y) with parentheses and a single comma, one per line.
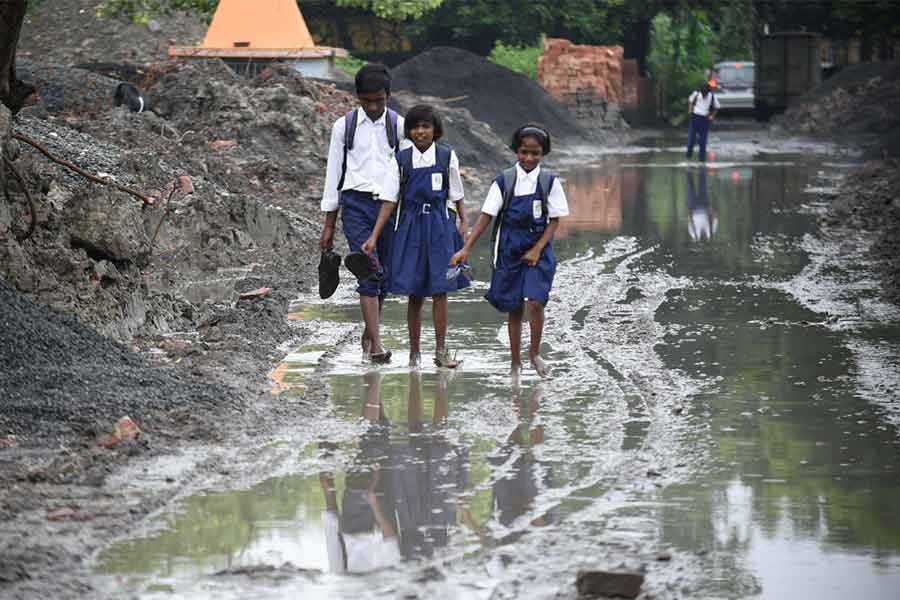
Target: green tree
(397,10)
(394,10)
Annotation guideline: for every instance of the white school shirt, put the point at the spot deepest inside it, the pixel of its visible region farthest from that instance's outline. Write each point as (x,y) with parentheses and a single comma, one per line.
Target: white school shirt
(701,106)
(367,163)
(420,160)
(526,183)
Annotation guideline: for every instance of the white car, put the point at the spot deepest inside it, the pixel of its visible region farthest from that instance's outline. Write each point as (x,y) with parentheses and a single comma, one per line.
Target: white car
(733,84)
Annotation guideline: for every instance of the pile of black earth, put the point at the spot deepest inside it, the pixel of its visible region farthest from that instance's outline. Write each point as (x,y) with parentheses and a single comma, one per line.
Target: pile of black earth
(501,98)
(859,103)
(60,378)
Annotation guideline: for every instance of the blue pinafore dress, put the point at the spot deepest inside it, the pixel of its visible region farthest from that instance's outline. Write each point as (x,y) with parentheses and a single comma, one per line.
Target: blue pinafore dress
(521,225)
(425,234)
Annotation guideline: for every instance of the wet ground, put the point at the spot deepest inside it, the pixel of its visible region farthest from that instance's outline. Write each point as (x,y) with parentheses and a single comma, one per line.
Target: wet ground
(722,416)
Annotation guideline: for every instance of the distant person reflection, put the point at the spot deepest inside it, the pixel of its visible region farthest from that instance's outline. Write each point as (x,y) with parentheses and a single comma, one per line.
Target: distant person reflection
(702,221)
(400,499)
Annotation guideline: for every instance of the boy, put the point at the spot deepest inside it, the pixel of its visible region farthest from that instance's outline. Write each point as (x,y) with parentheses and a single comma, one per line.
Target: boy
(363,144)
(702,108)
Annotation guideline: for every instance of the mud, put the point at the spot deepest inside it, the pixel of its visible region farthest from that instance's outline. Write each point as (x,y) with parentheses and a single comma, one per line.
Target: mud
(199,357)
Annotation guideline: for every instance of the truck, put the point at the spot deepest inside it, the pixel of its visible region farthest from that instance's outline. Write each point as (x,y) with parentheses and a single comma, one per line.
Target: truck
(787,67)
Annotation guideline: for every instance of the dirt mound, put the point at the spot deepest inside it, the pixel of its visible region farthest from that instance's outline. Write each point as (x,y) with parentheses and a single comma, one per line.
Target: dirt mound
(497,96)
(69,32)
(60,376)
(861,101)
(869,200)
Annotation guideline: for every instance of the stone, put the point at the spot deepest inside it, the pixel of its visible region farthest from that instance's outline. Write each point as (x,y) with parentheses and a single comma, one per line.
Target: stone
(257,293)
(608,583)
(8,441)
(222,145)
(126,429)
(60,513)
(108,225)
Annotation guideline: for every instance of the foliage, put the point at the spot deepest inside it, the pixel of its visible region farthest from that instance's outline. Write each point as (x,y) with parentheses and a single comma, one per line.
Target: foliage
(735,31)
(478,24)
(349,65)
(522,59)
(680,54)
(142,10)
(393,10)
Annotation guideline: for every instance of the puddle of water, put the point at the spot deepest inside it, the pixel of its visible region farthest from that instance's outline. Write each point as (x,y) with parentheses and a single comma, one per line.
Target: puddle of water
(700,405)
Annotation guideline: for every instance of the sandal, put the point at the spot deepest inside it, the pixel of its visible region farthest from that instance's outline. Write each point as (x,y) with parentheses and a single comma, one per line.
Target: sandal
(381,358)
(443,360)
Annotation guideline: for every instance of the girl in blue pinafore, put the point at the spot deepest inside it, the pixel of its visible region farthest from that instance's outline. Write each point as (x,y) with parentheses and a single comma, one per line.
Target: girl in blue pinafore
(525,203)
(426,233)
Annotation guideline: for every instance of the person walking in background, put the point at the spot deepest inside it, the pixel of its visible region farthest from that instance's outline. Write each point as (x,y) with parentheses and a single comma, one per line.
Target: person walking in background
(363,143)
(702,108)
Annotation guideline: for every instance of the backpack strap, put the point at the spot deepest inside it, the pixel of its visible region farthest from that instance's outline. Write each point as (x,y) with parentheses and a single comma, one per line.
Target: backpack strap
(350,122)
(349,134)
(442,155)
(507,184)
(404,164)
(545,184)
(393,136)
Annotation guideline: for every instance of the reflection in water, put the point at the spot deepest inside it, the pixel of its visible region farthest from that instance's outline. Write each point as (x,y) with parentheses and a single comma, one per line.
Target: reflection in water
(524,478)
(796,472)
(703,223)
(401,496)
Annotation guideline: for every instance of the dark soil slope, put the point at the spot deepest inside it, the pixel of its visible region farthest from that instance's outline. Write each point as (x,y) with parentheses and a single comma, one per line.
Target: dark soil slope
(501,98)
(60,377)
(861,102)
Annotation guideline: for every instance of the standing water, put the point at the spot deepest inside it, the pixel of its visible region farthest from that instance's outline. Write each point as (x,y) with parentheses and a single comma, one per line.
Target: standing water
(719,418)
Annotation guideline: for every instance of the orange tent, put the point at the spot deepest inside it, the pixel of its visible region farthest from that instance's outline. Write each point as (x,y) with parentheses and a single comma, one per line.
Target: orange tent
(258,24)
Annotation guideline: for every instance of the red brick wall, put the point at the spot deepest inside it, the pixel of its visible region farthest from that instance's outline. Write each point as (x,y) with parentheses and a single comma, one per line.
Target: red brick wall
(583,78)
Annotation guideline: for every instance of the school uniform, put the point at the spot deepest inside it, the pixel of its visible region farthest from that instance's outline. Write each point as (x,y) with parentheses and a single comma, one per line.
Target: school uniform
(425,235)
(521,225)
(698,128)
(359,198)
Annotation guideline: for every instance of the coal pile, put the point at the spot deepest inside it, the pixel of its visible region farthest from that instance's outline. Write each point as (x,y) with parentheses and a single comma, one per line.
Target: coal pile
(861,101)
(501,98)
(60,377)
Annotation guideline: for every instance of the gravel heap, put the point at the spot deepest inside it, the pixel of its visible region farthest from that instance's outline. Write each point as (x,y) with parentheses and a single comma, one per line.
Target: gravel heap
(69,32)
(869,200)
(861,101)
(60,377)
(501,98)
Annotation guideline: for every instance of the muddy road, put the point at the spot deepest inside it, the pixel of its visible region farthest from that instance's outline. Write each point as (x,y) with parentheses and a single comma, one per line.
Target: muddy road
(722,418)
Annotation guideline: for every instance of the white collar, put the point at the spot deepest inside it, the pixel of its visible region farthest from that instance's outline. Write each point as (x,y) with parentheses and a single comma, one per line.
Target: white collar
(426,156)
(364,117)
(521,174)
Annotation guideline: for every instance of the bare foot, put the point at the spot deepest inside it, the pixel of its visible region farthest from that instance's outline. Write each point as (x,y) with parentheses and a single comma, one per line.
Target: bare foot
(540,366)
(366,347)
(415,360)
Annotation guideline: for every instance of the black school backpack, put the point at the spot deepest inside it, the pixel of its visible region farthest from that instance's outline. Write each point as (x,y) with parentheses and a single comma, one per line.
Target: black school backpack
(507,184)
(350,134)
(442,154)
